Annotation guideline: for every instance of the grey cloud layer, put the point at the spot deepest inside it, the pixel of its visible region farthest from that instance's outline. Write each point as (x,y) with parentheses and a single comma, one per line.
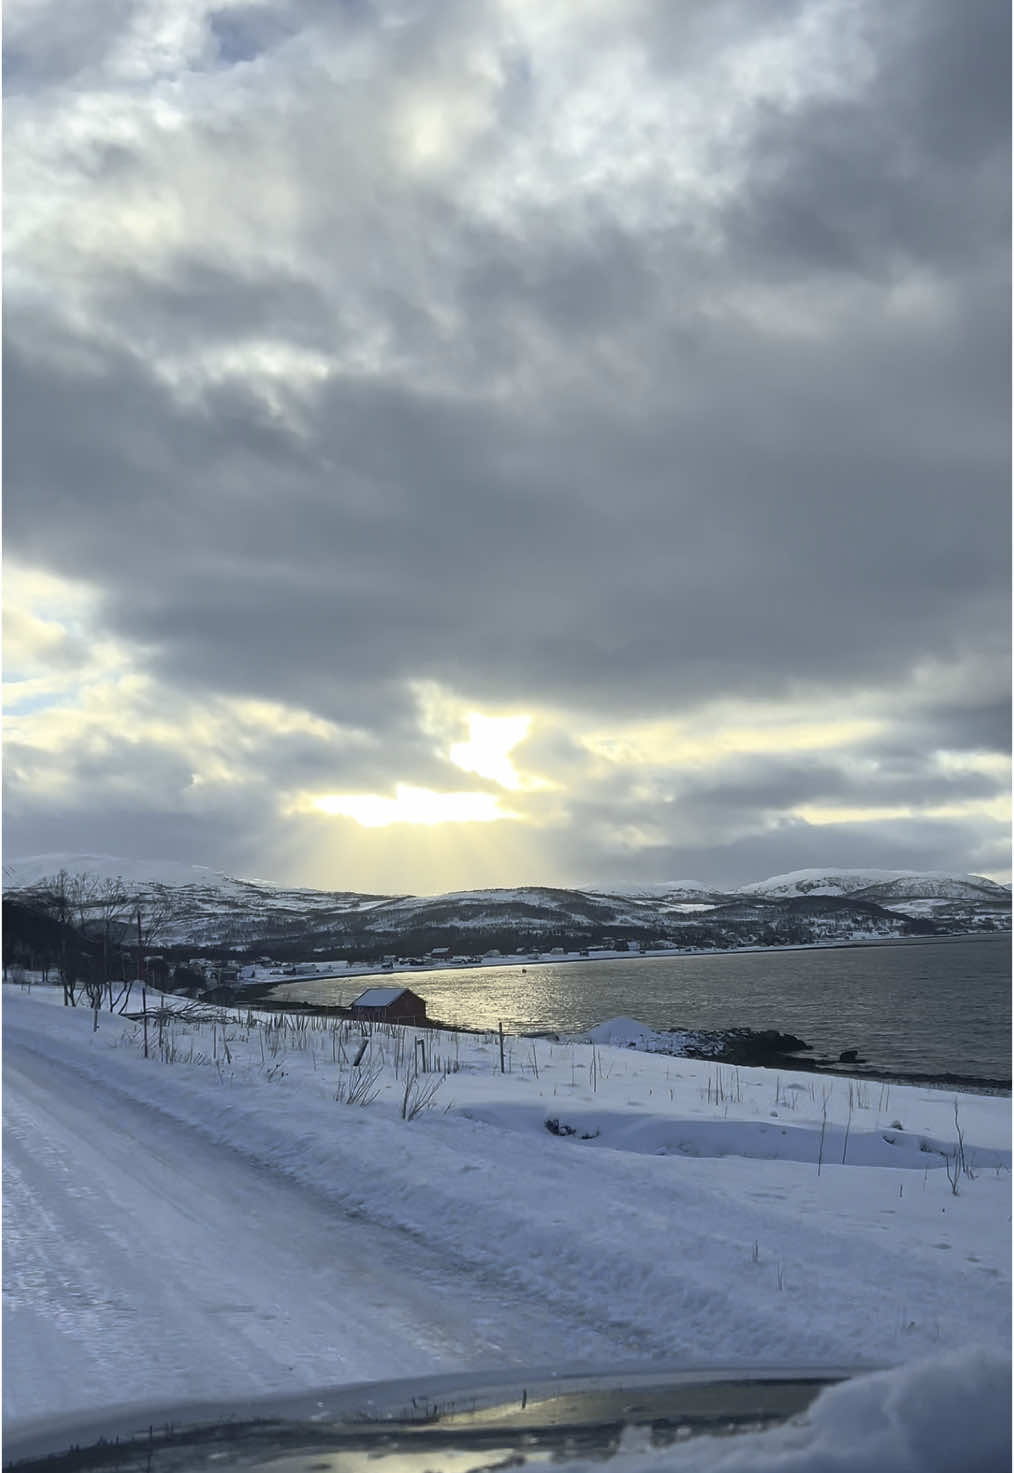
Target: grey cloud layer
(546,421)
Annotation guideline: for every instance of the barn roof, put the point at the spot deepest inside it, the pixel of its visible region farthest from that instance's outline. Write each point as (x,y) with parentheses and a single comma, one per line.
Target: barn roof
(379,997)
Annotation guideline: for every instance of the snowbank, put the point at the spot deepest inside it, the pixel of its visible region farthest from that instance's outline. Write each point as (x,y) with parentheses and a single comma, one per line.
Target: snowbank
(625,1033)
(951,1414)
(629,1033)
(687,1211)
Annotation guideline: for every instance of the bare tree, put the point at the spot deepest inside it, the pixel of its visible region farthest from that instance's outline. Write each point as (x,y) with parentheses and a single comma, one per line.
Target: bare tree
(111,905)
(55,897)
(154,917)
(163,906)
(81,890)
(92,912)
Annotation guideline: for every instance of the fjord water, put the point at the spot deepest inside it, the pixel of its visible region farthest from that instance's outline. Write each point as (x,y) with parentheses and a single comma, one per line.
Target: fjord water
(940,1006)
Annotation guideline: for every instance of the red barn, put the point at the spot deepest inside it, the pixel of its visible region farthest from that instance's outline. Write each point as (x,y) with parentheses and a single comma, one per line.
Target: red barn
(389,1005)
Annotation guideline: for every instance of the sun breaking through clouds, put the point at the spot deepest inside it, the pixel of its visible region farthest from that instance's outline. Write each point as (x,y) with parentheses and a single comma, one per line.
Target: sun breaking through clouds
(606,402)
(490,742)
(413,805)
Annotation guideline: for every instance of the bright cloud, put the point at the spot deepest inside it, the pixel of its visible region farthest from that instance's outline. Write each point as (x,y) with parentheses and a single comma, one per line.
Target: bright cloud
(490,741)
(414,806)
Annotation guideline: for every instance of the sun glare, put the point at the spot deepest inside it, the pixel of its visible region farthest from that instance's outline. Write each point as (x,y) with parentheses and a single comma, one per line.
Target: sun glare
(413,805)
(490,739)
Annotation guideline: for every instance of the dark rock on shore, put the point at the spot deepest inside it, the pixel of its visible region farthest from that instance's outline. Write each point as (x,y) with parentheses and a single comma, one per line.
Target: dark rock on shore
(762,1048)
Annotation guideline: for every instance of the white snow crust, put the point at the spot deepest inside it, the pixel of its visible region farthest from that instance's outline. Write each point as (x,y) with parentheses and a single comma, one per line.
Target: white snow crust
(850,881)
(378,997)
(281,1239)
(948,1414)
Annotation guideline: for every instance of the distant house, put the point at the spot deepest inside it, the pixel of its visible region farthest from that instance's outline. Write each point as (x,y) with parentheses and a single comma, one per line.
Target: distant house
(389,1005)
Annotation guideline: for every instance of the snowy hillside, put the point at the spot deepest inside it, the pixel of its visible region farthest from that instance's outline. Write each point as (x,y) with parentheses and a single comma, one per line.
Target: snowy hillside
(878,885)
(141,874)
(211,909)
(19,873)
(937,887)
(667,891)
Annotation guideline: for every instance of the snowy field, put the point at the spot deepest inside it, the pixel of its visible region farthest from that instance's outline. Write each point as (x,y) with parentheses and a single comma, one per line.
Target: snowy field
(247,1211)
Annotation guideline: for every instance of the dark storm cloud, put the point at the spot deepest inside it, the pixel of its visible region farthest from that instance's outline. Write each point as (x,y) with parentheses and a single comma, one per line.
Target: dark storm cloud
(739,859)
(984,727)
(915,169)
(572,289)
(204,299)
(745,798)
(751,788)
(472,558)
(244,32)
(612,448)
(60,41)
(237,836)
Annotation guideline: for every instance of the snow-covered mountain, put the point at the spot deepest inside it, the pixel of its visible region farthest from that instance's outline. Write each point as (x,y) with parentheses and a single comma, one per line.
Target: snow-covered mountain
(212,909)
(19,873)
(879,884)
(938,887)
(676,891)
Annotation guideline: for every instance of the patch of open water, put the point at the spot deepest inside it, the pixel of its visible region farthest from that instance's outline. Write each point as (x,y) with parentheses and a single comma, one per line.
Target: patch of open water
(934,1006)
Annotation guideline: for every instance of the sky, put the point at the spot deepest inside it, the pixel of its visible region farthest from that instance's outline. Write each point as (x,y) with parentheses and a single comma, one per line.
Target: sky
(453,444)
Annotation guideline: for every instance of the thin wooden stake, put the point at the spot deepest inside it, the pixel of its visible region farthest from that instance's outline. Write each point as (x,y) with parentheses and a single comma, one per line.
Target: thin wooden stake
(144,996)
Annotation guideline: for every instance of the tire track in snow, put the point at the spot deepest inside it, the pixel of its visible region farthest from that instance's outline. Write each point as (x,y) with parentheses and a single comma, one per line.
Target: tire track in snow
(144,1260)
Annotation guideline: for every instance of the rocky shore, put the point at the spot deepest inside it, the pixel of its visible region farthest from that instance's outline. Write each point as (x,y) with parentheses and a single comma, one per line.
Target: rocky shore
(747,1048)
(768,1049)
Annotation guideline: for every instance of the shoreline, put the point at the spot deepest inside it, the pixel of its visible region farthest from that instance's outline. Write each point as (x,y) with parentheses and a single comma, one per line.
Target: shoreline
(271,993)
(738,1048)
(545,959)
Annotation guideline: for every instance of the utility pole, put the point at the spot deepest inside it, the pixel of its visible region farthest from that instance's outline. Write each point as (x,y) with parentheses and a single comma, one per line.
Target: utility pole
(140,968)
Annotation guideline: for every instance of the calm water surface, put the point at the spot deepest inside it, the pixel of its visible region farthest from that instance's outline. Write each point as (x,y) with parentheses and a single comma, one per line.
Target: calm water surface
(940,1006)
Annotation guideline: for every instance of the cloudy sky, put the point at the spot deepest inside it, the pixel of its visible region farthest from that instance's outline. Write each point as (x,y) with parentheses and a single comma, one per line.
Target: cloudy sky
(466,442)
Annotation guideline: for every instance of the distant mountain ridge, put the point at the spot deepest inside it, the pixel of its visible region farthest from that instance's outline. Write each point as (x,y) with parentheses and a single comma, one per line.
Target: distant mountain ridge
(215,910)
(877,884)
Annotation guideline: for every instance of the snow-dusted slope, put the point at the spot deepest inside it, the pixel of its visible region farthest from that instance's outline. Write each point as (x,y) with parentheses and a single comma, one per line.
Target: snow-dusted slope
(878,885)
(675,890)
(214,909)
(175,874)
(19,873)
(938,887)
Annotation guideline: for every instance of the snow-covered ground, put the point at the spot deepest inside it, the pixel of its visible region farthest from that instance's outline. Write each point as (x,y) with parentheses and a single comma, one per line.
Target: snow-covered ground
(216,1220)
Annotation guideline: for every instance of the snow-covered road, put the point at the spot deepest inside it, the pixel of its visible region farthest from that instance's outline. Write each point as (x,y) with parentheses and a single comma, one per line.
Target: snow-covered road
(145,1259)
(215,1222)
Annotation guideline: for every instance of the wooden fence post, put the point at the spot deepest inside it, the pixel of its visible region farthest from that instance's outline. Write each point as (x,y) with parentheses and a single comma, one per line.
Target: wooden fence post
(144,995)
